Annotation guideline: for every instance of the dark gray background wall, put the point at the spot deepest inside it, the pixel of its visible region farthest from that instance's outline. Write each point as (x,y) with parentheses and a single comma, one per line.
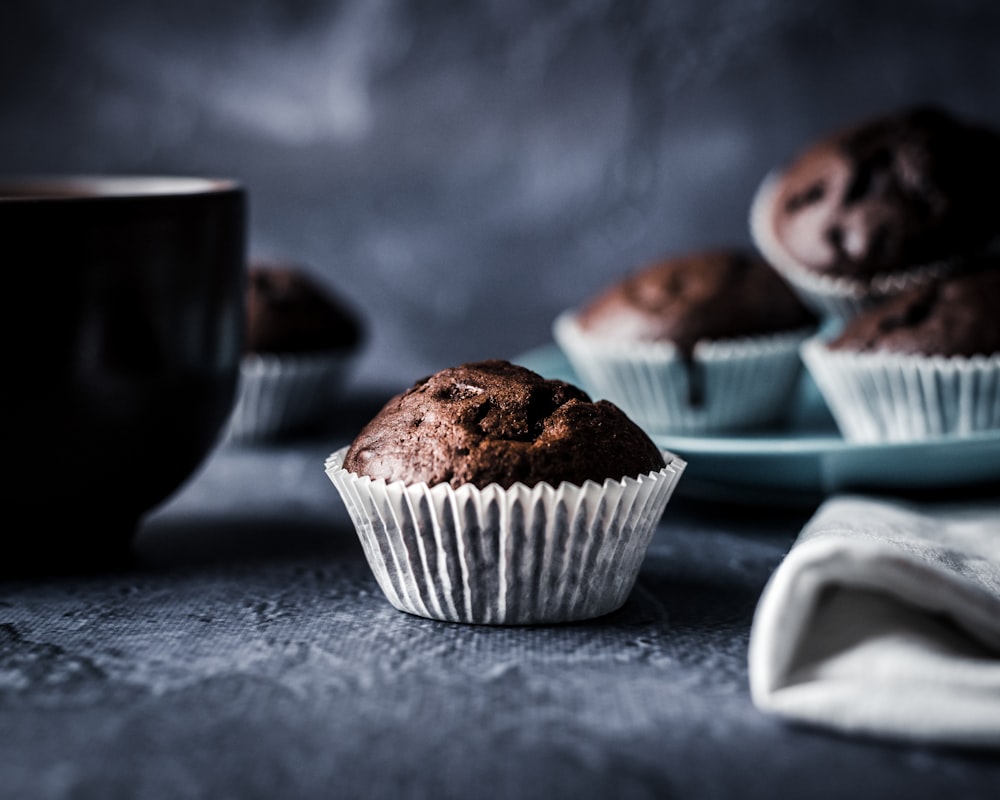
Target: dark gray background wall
(464,171)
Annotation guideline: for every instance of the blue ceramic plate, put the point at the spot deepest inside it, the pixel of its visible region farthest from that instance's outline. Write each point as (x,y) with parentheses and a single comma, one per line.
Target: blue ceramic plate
(808,458)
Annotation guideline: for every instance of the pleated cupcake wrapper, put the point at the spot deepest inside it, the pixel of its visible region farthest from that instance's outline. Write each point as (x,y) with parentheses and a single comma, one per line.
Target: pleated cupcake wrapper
(833,297)
(281,394)
(877,397)
(745,383)
(517,556)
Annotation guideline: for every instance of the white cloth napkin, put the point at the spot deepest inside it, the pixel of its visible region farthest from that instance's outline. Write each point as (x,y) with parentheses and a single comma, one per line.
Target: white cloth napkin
(884,620)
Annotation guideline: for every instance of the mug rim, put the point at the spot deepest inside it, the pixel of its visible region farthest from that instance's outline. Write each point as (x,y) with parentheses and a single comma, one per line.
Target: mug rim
(73,187)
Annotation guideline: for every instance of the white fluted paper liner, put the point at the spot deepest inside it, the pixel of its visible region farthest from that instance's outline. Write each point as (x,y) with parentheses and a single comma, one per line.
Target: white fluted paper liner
(836,298)
(517,556)
(886,397)
(281,394)
(745,383)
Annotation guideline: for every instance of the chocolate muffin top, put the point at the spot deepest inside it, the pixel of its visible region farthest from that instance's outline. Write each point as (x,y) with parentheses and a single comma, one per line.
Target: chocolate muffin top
(496,422)
(289,312)
(952,316)
(894,192)
(709,295)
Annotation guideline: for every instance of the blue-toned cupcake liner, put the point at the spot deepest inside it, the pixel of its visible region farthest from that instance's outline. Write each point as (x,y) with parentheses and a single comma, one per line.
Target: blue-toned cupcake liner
(888,397)
(280,395)
(739,384)
(834,298)
(495,556)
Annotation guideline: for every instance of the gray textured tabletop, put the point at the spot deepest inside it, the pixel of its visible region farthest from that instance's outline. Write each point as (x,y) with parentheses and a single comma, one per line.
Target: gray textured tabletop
(249,653)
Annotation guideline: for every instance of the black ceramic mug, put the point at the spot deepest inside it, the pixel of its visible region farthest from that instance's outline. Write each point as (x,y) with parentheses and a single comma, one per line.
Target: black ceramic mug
(122,336)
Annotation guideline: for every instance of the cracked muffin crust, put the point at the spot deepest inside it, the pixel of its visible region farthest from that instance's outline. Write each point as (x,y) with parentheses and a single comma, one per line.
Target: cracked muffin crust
(497,422)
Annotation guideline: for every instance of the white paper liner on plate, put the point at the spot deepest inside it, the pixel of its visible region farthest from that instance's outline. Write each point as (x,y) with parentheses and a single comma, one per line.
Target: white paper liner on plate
(517,556)
(835,298)
(886,397)
(281,394)
(745,383)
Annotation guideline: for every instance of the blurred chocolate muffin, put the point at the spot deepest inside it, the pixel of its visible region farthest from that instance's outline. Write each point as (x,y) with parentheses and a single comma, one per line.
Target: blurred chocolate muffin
(288,311)
(700,296)
(300,342)
(879,205)
(923,364)
(697,342)
(955,315)
(496,422)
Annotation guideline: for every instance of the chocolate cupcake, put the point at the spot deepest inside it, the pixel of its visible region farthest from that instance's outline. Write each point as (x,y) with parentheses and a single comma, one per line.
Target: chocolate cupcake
(702,342)
(299,344)
(923,364)
(289,313)
(878,206)
(488,494)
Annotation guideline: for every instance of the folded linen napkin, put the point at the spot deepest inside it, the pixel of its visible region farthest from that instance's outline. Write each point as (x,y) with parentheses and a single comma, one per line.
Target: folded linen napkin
(884,620)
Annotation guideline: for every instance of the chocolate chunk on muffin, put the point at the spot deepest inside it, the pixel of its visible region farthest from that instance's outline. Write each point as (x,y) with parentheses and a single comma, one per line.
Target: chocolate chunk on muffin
(488,494)
(496,422)
(288,311)
(876,206)
(922,364)
(696,342)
